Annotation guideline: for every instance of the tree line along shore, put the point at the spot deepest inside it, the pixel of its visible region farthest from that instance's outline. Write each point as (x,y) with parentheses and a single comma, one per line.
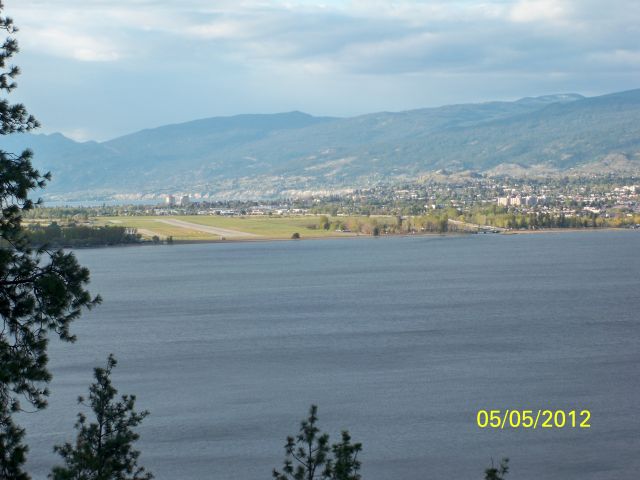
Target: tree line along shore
(75,228)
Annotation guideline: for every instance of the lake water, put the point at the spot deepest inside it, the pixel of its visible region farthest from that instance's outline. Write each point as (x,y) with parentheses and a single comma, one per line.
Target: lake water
(400,340)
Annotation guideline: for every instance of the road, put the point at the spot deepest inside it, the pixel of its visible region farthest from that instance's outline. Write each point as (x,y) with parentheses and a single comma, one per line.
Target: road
(222,232)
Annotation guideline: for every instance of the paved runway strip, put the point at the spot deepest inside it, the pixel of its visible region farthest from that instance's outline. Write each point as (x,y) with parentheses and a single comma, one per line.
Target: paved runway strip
(223,232)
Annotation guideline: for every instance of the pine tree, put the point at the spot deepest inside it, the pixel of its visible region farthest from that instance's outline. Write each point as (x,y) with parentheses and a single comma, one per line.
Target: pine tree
(13,453)
(103,450)
(41,291)
(309,450)
(308,455)
(499,472)
(345,464)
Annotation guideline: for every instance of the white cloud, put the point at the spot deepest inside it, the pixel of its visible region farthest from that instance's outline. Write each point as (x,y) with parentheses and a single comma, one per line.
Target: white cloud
(539,10)
(68,33)
(228,30)
(76,46)
(288,52)
(373,36)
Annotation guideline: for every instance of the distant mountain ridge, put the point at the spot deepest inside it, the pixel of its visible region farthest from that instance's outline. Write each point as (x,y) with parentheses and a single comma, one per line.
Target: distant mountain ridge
(254,156)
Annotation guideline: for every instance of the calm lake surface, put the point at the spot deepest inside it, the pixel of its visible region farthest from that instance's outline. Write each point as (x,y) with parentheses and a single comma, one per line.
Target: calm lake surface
(400,340)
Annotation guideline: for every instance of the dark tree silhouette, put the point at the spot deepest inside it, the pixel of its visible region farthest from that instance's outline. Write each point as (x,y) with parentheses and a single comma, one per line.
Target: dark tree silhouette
(103,449)
(499,472)
(345,464)
(41,291)
(309,449)
(308,455)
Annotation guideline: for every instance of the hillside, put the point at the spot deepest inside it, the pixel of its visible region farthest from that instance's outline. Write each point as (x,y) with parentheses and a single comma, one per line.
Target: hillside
(268,155)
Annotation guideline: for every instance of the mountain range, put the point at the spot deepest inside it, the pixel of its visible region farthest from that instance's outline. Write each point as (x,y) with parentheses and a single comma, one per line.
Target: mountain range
(259,156)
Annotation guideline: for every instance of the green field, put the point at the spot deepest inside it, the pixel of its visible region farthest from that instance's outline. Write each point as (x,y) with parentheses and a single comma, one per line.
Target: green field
(239,228)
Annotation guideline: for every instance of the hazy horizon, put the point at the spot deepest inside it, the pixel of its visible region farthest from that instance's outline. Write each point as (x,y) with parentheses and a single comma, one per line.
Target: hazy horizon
(313,114)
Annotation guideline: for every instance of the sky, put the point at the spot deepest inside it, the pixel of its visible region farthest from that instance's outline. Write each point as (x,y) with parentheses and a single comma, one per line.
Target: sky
(97,69)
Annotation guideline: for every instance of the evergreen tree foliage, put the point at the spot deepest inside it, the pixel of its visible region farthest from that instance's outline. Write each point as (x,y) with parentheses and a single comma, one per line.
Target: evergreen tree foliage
(12,451)
(41,291)
(309,449)
(308,455)
(103,449)
(499,472)
(345,464)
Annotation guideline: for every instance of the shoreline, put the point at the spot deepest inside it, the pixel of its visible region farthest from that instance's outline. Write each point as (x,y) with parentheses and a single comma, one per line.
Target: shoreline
(405,235)
(356,236)
(564,230)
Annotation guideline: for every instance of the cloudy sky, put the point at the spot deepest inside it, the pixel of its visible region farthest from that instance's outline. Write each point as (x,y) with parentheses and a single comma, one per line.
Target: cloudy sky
(95,69)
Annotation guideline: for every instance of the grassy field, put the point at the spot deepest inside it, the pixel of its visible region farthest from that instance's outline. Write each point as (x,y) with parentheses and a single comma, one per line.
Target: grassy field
(243,228)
